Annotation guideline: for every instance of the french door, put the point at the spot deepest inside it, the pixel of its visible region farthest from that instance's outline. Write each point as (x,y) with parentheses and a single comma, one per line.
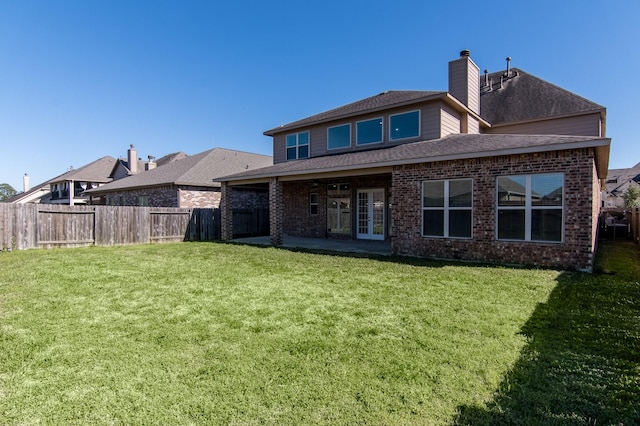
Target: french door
(371,208)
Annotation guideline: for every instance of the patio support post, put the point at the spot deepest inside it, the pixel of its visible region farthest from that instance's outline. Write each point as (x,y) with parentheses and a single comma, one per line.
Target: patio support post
(226,212)
(276,214)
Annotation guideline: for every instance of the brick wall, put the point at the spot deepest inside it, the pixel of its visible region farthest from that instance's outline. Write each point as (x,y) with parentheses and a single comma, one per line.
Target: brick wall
(276,211)
(250,199)
(300,222)
(165,196)
(575,252)
(199,197)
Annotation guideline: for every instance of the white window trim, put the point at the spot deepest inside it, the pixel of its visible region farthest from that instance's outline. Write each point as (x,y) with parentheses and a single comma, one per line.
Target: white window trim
(381,119)
(446,209)
(340,147)
(419,125)
(529,207)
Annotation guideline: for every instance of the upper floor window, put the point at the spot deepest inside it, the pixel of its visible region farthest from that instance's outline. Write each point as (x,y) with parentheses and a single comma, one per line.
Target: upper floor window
(530,207)
(447,208)
(369,131)
(405,125)
(297,145)
(339,136)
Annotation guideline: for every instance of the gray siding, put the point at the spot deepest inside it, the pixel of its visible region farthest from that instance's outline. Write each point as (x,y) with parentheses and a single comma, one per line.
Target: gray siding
(449,121)
(584,125)
(464,82)
(279,148)
(473,125)
(430,128)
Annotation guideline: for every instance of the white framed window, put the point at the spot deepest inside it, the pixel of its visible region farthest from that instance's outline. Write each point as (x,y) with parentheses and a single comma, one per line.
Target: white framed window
(405,125)
(369,131)
(530,207)
(298,145)
(339,136)
(447,207)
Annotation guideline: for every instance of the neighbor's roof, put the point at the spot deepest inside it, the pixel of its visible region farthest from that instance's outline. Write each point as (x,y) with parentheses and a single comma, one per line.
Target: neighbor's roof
(197,170)
(618,179)
(169,158)
(452,147)
(36,192)
(97,171)
(524,97)
(382,101)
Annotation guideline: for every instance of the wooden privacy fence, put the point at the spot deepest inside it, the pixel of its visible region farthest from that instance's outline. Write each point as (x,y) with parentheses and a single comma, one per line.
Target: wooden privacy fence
(24,226)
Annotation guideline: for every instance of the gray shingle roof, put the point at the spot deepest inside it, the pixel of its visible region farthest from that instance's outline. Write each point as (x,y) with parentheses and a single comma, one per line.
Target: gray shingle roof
(458,146)
(384,100)
(525,97)
(197,170)
(169,158)
(618,179)
(97,171)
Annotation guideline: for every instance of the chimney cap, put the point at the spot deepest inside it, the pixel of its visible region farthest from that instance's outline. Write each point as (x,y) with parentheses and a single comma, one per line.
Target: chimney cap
(465,52)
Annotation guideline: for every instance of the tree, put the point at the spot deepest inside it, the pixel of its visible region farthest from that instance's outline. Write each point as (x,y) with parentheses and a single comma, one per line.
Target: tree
(632,197)
(6,191)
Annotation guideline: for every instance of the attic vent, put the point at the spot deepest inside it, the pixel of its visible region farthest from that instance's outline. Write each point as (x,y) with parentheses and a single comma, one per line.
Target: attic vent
(383,93)
(508,73)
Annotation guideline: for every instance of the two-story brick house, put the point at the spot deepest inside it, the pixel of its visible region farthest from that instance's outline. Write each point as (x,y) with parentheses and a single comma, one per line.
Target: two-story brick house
(502,167)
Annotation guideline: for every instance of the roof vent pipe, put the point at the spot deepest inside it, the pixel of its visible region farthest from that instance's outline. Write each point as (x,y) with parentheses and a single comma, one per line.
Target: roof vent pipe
(501,80)
(508,66)
(486,77)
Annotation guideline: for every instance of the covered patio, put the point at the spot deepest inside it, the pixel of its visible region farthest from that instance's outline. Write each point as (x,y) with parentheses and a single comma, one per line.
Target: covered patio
(367,247)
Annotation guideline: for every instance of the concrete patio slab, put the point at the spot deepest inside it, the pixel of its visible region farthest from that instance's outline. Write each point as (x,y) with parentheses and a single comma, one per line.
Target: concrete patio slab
(380,248)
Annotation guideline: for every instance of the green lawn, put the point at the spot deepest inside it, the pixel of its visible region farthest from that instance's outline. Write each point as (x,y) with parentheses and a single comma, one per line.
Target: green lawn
(208,333)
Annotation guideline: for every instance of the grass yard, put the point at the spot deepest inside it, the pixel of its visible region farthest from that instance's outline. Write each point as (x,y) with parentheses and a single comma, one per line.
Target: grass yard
(208,333)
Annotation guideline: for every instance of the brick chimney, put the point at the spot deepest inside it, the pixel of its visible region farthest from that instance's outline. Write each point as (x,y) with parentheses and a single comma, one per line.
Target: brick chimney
(464,81)
(132,159)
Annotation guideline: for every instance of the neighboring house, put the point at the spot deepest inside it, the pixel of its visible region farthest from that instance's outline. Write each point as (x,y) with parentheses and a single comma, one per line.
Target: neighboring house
(618,182)
(37,194)
(132,165)
(92,175)
(69,188)
(187,182)
(503,167)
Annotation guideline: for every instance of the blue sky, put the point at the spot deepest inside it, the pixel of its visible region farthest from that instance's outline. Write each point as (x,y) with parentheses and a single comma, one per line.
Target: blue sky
(83,79)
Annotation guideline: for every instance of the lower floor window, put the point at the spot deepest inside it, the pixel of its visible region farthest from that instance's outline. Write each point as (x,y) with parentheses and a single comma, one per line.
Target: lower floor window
(446,208)
(339,215)
(530,207)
